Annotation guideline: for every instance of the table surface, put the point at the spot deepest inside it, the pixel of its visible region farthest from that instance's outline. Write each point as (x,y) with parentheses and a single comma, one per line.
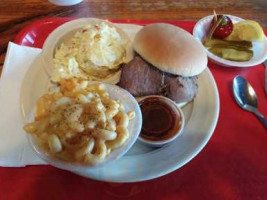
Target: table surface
(232,166)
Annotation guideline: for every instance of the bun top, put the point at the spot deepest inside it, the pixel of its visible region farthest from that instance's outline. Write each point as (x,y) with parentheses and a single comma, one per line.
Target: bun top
(171,49)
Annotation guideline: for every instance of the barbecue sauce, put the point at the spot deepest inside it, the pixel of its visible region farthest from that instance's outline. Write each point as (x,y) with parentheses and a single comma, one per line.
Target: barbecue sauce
(161,121)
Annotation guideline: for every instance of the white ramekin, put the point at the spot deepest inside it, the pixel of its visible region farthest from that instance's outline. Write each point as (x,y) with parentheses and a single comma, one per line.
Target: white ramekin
(173,105)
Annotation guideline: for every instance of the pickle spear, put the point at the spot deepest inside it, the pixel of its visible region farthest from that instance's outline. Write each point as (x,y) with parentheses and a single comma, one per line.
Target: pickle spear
(232,54)
(227,44)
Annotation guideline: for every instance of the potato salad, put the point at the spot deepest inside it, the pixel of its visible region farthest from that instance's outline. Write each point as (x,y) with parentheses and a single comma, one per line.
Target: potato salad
(94,53)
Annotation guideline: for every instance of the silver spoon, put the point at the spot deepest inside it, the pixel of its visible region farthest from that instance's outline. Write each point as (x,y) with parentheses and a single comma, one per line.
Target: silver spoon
(246,97)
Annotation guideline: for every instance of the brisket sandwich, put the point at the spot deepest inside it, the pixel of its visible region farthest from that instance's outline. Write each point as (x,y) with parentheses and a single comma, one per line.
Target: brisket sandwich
(167,62)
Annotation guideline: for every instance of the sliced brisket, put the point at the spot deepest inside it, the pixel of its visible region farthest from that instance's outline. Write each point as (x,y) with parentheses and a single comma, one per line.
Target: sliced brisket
(180,89)
(141,79)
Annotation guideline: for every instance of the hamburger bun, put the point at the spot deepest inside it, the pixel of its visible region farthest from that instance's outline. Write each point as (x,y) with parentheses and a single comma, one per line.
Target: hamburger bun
(171,49)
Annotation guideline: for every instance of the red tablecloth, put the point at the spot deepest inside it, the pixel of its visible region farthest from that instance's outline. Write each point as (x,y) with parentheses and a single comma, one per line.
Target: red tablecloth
(233,165)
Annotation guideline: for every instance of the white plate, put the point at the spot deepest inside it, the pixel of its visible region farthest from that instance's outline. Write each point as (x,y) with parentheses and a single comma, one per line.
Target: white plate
(143,162)
(259,48)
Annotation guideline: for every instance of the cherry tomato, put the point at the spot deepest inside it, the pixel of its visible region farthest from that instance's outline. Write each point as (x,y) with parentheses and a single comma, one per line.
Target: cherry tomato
(224,29)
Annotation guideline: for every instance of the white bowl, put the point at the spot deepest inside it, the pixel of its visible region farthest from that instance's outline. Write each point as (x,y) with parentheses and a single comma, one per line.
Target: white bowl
(176,109)
(259,48)
(65,2)
(65,32)
(134,128)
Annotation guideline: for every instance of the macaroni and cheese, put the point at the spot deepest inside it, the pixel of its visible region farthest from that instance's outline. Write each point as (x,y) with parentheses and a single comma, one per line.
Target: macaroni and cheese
(79,122)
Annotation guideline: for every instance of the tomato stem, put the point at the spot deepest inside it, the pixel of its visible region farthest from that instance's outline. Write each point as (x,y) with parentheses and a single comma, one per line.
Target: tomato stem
(216,24)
